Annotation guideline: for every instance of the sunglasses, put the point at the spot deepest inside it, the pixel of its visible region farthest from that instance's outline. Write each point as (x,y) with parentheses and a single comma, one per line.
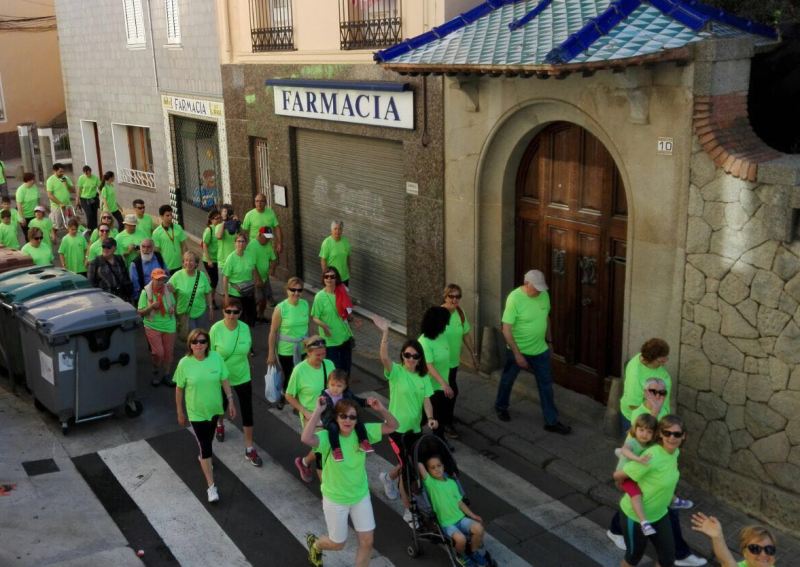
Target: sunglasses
(233,311)
(199,342)
(296,289)
(454,296)
(410,355)
(107,246)
(354,417)
(675,434)
(753,548)
(329,276)
(36,238)
(657,392)
(105,218)
(317,344)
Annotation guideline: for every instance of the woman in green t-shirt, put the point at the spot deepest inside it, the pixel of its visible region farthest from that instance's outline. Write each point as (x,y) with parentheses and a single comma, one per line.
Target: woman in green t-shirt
(108,198)
(756,543)
(345,489)
(210,245)
(240,278)
(410,394)
(88,187)
(27,197)
(288,328)
(334,325)
(648,363)
(657,479)
(226,231)
(231,338)
(437,357)
(157,310)
(41,255)
(192,289)
(200,379)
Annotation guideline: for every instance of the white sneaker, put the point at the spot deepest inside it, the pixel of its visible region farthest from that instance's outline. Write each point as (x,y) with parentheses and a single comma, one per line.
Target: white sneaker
(691,560)
(389,486)
(408,518)
(619,540)
(213,495)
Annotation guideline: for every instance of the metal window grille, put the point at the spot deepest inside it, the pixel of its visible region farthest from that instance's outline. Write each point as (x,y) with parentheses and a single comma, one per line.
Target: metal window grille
(365,24)
(271,25)
(261,169)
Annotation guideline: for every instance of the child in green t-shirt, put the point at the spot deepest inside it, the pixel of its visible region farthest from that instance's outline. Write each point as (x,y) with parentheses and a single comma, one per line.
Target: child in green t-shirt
(8,231)
(457,521)
(640,437)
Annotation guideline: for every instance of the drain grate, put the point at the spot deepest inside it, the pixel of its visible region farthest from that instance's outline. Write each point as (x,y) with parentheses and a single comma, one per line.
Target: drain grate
(42,466)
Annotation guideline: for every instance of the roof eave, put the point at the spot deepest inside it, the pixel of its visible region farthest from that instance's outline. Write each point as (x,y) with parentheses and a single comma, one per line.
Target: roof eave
(679,55)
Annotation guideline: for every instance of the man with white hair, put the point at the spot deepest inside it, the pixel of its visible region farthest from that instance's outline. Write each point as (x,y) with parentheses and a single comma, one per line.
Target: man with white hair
(525,329)
(143,265)
(335,252)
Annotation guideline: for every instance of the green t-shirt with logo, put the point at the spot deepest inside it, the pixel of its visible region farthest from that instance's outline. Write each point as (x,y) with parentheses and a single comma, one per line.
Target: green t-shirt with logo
(88,184)
(168,242)
(262,255)
(445,496)
(28,197)
(109,193)
(165,323)
(345,482)
(60,189)
(41,255)
(238,269)
(324,309)
(636,375)
(73,248)
(306,384)
(144,225)
(95,236)
(437,352)
(212,244)
(528,317)
(201,381)
(657,480)
(253,221)
(8,235)
(294,323)
(183,284)
(407,393)
(234,348)
(46,226)
(125,239)
(455,332)
(335,254)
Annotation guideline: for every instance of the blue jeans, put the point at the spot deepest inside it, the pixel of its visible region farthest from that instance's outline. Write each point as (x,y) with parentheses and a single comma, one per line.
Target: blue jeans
(540,366)
(463,526)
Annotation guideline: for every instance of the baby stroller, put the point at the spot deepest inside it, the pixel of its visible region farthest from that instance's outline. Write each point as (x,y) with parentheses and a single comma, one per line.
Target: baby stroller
(424,524)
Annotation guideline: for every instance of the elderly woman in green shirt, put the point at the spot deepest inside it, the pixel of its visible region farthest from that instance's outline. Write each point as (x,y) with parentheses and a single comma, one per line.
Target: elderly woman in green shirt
(345,489)
(240,278)
(157,310)
(195,309)
(756,543)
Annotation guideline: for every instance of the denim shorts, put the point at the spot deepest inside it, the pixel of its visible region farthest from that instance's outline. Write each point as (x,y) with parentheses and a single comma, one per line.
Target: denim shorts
(464,526)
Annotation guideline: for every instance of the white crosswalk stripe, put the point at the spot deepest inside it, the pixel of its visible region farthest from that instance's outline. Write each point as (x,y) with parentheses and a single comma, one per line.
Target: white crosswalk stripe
(191,534)
(287,498)
(377,464)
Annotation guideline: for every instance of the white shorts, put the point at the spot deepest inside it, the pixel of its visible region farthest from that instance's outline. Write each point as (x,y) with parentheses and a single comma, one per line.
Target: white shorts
(336,518)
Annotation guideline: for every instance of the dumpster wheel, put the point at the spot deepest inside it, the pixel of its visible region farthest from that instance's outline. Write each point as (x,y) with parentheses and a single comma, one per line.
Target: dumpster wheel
(133,408)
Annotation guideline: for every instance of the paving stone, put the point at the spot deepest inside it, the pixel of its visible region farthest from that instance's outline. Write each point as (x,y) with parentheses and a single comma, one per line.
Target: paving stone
(567,472)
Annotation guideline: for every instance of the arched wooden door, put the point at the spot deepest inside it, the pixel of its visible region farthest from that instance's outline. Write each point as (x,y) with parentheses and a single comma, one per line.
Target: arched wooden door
(571,219)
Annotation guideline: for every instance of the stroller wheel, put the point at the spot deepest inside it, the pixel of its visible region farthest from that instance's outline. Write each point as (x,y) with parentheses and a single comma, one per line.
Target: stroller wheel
(413,550)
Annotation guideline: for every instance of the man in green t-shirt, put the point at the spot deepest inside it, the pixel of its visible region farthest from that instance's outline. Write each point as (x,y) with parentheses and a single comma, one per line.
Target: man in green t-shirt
(60,190)
(263,217)
(72,250)
(525,329)
(144,222)
(170,239)
(128,241)
(335,252)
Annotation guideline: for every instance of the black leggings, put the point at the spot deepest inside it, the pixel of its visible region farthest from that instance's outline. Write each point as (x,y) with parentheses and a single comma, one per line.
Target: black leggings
(245,394)
(636,541)
(287,365)
(204,433)
(118,216)
(213,275)
(450,403)
(403,446)
(440,405)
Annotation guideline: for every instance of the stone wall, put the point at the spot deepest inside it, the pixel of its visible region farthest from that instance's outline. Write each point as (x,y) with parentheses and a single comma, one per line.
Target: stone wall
(739,386)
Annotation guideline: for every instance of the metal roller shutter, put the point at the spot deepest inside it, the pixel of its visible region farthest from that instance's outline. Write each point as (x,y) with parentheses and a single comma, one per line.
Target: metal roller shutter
(359,181)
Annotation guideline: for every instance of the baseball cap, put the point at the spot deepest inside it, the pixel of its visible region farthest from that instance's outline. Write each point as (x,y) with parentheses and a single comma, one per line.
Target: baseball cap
(536,279)
(40,209)
(158,274)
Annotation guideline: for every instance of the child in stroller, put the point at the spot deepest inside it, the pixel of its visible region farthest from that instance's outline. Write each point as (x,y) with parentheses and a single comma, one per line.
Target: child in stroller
(440,496)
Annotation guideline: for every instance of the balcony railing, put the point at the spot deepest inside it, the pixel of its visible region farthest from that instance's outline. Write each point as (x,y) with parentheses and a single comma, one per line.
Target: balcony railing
(364,24)
(271,26)
(136,177)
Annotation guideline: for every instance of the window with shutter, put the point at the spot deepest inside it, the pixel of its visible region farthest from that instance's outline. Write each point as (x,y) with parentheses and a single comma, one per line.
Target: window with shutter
(134,21)
(173,22)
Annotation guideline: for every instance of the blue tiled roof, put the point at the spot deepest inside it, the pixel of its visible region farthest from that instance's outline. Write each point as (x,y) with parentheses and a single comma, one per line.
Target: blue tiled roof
(555,32)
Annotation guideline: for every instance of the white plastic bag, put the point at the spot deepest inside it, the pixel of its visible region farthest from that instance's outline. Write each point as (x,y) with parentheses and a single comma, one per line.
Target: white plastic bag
(272,383)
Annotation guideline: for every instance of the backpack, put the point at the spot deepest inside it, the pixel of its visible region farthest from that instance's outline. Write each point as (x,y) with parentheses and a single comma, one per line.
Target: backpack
(140,269)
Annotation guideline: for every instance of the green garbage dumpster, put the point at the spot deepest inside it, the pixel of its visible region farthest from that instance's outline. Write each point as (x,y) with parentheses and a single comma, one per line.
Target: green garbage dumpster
(22,285)
(79,349)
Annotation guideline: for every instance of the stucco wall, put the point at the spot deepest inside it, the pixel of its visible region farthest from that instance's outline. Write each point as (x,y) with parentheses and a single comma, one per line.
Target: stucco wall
(489,122)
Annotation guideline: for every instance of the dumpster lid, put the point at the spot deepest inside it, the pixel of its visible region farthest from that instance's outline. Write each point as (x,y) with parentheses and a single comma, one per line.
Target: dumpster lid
(75,311)
(20,285)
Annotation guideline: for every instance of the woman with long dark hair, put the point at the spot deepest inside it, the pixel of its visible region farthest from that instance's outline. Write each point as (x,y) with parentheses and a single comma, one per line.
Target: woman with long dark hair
(108,198)
(331,312)
(437,357)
